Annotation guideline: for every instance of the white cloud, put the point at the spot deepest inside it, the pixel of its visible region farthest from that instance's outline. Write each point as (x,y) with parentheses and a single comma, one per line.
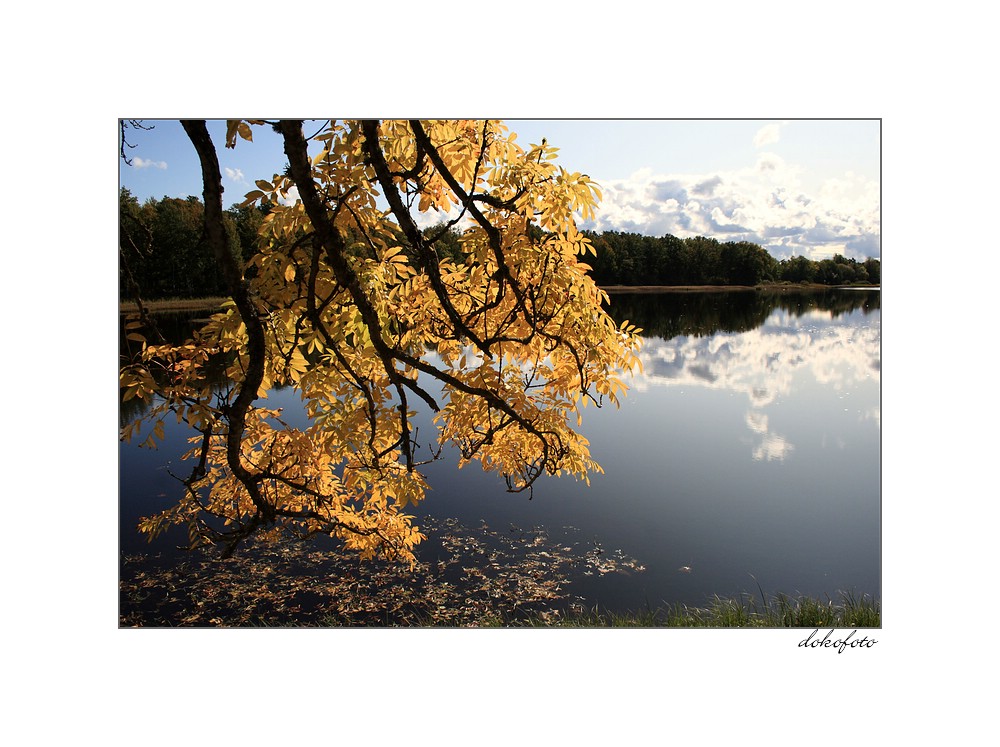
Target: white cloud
(142,163)
(765,203)
(770,162)
(291,197)
(235,175)
(767,134)
(432,217)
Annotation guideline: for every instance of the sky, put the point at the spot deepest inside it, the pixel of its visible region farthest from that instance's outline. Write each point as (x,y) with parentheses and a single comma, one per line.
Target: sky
(804,187)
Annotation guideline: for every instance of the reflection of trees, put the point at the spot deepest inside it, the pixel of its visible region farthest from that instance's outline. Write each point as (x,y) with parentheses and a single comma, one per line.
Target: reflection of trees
(135,408)
(175,328)
(698,314)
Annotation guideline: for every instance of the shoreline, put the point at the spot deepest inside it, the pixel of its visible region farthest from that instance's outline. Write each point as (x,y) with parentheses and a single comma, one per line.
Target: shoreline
(213,303)
(610,289)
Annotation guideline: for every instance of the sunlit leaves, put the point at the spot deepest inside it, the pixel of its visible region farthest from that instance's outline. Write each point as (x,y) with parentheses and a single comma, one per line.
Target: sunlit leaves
(136,382)
(504,337)
(239,127)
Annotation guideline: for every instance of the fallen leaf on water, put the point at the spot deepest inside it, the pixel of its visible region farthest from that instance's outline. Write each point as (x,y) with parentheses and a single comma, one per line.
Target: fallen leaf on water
(467,577)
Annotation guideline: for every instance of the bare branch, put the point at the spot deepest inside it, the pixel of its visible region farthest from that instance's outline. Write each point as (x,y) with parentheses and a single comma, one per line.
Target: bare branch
(135,124)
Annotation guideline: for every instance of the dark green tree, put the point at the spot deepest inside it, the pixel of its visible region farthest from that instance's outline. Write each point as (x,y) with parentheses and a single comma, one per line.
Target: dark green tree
(703,261)
(798,270)
(162,250)
(874,269)
(743,263)
(247,220)
(135,241)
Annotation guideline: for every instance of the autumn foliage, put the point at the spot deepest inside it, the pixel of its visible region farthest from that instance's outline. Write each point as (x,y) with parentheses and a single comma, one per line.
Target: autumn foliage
(348,301)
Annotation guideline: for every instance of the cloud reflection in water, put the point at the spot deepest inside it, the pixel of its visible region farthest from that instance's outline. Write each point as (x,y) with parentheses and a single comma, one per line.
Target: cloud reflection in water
(767,364)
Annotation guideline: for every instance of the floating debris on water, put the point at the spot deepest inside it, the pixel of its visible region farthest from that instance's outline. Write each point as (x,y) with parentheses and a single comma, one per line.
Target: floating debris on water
(467,576)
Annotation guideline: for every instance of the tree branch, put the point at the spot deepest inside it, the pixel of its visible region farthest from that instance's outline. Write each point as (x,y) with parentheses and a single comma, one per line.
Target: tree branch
(215,232)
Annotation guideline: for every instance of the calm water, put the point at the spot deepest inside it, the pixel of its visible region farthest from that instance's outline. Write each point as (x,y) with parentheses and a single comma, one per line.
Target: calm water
(748,450)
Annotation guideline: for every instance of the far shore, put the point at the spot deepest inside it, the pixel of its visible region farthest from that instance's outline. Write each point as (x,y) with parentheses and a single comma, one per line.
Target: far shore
(174,304)
(726,288)
(211,304)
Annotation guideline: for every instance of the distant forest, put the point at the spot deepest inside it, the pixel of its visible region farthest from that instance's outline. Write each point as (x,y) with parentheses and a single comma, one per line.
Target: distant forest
(162,255)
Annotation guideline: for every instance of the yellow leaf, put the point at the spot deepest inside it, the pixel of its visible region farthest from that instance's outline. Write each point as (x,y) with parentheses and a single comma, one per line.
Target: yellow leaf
(514,317)
(251,197)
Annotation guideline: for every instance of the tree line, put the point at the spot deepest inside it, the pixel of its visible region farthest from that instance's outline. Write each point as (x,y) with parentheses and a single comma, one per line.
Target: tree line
(162,248)
(633,259)
(163,254)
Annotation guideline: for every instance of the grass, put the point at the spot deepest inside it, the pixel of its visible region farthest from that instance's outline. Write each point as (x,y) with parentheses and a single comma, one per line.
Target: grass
(778,611)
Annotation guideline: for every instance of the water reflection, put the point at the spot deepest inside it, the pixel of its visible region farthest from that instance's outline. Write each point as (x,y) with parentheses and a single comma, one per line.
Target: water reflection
(799,342)
(697,314)
(748,445)
(772,446)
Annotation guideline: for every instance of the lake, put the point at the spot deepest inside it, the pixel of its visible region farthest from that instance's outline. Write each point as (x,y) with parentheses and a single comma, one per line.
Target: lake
(746,456)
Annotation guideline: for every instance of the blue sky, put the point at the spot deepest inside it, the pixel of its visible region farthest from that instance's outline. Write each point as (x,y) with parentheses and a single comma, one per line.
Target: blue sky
(796,187)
